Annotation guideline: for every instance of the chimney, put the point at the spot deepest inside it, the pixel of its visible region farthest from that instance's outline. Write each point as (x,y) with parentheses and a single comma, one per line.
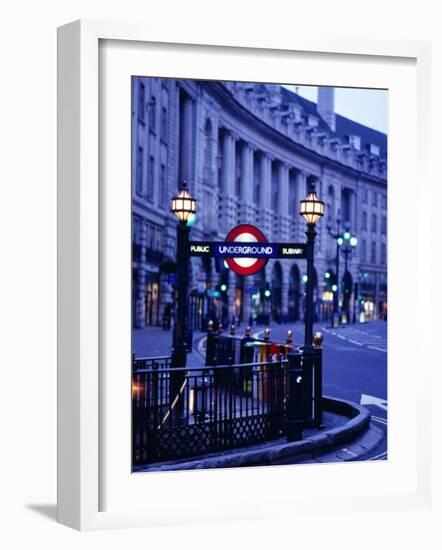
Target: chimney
(326,105)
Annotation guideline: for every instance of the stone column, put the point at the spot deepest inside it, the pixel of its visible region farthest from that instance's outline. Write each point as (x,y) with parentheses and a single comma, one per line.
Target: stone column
(228,181)
(246,183)
(283,201)
(187,136)
(320,226)
(265,189)
(285,294)
(301,193)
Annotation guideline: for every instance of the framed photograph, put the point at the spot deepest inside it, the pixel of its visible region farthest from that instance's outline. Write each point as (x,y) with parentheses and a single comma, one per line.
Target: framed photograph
(232,296)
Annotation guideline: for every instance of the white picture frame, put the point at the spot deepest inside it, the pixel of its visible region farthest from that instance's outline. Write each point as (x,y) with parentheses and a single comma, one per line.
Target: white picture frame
(81,395)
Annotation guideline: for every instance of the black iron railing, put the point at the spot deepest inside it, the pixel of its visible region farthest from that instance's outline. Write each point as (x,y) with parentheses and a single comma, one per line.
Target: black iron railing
(144,363)
(186,412)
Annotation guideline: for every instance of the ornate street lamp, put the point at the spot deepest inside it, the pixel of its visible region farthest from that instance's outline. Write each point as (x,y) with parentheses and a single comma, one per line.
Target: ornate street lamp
(312,209)
(345,242)
(339,240)
(184,207)
(348,243)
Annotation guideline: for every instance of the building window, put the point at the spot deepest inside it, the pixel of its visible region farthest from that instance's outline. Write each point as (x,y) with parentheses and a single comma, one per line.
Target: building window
(164,124)
(384,225)
(364,221)
(374,149)
(163,186)
(374,223)
(139,173)
(149,235)
(374,199)
(141,101)
(364,251)
(365,196)
(152,114)
(345,205)
(151,178)
(383,254)
(355,142)
(373,252)
(384,201)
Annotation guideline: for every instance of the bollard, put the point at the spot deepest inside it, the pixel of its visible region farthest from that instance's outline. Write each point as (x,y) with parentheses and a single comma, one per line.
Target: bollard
(232,330)
(211,345)
(317,350)
(289,336)
(246,353)
(295,402)
(220,328)
(267,335)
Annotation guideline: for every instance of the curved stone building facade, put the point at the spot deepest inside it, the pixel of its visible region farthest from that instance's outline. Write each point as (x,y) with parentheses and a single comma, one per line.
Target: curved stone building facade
(248,153)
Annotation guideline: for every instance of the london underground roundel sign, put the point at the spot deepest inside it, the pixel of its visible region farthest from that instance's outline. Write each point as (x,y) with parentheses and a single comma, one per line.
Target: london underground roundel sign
(246,233)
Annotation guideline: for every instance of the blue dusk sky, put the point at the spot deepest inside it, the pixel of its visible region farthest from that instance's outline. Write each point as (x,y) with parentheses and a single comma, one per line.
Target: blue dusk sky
(366,106)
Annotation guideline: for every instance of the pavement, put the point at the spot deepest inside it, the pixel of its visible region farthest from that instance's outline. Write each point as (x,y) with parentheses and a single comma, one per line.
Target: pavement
(154,342)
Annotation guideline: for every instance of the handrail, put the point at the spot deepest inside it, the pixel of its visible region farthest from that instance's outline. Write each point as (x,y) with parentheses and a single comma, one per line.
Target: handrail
(216,367)
(158,358)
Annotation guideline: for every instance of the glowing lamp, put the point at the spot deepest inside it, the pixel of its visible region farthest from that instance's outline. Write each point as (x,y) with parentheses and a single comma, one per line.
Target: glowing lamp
(183,205)
(311,208)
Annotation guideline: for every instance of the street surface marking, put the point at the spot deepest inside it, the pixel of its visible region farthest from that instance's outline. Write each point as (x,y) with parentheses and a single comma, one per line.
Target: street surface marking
(361,338)
(356,342)
(379,456)
(380,419)
(377,349)
(348,451)
(372,400)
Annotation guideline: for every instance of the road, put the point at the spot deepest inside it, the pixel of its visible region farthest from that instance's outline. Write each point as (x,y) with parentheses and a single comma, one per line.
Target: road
(354,367)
